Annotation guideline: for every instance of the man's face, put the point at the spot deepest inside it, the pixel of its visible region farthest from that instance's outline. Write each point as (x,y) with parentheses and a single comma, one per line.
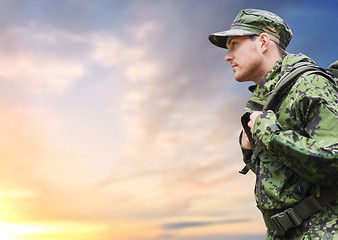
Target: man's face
(245,58)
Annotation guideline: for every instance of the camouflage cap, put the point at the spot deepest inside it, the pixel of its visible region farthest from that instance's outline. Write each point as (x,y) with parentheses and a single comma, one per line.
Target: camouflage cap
(255,22)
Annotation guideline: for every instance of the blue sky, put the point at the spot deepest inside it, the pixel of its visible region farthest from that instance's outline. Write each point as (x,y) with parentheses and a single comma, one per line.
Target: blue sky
(121,118)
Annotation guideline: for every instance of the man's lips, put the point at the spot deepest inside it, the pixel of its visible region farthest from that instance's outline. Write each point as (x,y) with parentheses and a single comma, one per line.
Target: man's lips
(234,67)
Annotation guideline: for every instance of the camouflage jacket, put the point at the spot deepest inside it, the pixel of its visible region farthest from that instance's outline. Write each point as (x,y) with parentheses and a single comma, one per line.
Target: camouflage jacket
(298,140)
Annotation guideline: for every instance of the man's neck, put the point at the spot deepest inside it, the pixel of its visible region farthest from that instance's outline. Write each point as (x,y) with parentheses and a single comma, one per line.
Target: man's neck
(268,64)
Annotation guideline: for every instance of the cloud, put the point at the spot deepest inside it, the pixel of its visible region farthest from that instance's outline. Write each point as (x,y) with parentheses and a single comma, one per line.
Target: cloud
(21,136)
(111,51)
(129,60)
(18,194)
(45,60)
(23,146)
(38,59)
(212,237)
(180,127)
(182,225)
(39,74)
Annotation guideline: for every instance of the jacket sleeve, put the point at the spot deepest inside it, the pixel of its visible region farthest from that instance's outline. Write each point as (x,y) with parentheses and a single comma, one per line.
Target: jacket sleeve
(311,152)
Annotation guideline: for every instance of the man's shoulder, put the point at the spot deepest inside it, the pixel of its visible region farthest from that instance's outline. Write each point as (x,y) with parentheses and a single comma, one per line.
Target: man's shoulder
(314,81)
(314,88)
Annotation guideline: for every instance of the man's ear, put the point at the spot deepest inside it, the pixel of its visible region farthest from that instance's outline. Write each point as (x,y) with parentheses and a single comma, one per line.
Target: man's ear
(264,41)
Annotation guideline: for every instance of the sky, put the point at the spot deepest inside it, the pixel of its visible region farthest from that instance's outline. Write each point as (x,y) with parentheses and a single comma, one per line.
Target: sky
(120,120)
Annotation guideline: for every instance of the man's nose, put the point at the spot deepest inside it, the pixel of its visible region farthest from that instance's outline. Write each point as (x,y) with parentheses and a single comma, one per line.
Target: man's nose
(228,57)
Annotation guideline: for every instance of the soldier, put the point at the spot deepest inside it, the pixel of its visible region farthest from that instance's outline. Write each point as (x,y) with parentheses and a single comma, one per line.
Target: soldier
(292,145)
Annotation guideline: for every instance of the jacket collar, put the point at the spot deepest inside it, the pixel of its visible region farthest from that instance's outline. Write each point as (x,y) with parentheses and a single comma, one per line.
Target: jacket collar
(262,90)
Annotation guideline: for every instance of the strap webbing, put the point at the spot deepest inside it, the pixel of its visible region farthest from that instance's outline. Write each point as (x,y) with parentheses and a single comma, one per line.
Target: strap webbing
(294,216)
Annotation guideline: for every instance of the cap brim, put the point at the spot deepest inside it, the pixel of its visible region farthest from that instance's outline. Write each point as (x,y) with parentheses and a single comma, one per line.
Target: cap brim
(219,39)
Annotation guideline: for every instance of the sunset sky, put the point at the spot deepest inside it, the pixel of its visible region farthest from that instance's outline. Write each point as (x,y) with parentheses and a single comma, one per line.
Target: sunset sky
(120,120)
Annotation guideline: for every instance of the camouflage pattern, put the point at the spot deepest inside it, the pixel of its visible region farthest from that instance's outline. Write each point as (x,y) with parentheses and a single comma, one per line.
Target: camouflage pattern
(255,22)
(299,149)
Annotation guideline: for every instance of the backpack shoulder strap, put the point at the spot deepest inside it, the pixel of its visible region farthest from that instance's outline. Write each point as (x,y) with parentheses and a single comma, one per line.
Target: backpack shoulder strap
(333,70)
(289,77)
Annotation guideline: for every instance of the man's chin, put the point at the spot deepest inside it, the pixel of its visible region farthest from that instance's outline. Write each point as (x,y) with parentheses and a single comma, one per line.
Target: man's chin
(240,78)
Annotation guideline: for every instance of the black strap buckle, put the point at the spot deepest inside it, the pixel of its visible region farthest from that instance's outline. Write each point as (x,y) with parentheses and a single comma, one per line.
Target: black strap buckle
(285,220)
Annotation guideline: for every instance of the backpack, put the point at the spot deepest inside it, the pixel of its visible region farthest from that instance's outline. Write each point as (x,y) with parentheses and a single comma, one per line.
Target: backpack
(283,85)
